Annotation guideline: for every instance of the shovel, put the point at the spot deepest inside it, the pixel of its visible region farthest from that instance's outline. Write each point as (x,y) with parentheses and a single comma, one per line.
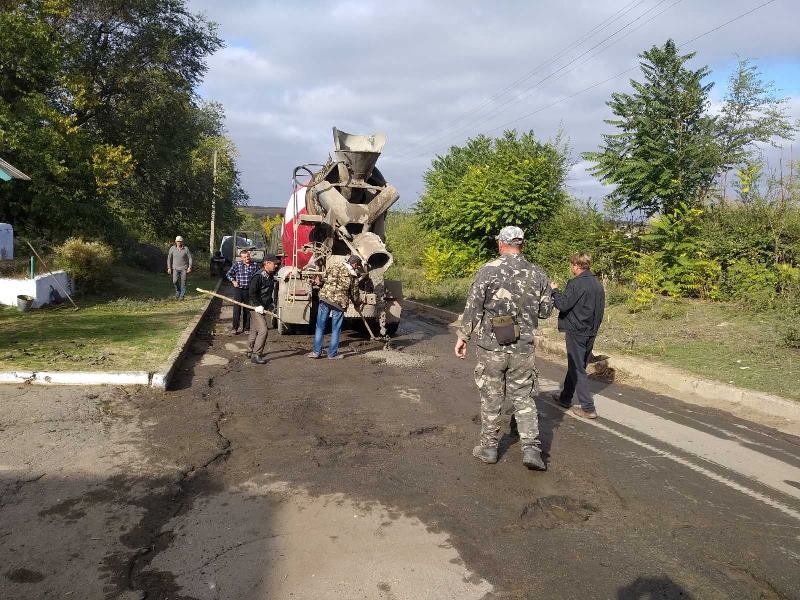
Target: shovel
(44,264)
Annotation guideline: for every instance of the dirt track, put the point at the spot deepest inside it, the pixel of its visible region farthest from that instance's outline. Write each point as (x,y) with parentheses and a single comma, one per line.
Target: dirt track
(353,479)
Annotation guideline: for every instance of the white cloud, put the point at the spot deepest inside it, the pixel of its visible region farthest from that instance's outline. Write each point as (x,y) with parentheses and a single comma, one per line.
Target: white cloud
(413,69)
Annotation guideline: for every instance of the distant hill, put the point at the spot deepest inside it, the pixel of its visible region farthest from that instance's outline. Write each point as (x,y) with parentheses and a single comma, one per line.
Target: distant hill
(261,212)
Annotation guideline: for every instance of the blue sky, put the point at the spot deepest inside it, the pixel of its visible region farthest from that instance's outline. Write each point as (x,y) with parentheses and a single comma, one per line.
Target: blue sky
(432,74)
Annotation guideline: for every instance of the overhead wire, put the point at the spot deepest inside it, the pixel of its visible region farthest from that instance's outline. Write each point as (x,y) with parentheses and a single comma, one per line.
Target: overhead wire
(561,68)
(621,73)
(552,59)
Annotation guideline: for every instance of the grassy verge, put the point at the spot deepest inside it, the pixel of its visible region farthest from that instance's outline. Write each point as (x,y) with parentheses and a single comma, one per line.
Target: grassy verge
(714,340)
(131,326)
(448,294)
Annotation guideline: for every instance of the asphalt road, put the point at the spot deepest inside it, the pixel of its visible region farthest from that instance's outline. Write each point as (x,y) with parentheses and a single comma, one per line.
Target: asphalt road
(354,479)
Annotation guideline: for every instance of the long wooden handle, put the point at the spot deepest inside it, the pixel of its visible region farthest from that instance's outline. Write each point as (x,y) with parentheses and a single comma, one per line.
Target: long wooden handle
(232,301)
(369,329)
(58,283)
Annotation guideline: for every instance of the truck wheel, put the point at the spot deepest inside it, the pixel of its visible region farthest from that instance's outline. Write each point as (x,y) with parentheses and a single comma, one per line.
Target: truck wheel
(391,328)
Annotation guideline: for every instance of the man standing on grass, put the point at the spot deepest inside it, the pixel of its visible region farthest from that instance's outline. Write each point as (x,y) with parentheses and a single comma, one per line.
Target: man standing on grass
(506,299)
(240,275)
(179,263)
(338,288)
(580,312)
(262,288)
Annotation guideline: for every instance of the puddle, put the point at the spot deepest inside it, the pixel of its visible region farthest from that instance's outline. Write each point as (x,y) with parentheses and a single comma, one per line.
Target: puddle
(550,512)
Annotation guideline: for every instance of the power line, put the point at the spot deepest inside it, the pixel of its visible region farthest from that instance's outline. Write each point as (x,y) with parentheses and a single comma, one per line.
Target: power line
(584,53)
(588,35)
(628,70)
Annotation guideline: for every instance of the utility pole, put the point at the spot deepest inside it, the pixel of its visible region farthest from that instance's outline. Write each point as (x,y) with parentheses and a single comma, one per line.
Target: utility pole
(213,206)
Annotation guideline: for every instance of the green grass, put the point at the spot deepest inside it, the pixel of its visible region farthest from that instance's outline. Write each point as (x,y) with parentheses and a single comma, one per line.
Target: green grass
(714,340)
(131,326)
(449,294)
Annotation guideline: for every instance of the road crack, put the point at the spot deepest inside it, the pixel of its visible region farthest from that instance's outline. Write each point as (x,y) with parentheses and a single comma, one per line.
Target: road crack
(163,512)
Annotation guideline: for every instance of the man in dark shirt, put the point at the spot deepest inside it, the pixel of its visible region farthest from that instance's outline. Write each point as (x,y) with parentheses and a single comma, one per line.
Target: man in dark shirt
(240,275)
(262,288)
(580,312)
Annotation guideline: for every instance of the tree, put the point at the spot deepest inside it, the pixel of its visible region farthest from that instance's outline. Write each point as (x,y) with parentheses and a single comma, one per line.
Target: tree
(475,190)
(98,104)
(752,113)
(664,154)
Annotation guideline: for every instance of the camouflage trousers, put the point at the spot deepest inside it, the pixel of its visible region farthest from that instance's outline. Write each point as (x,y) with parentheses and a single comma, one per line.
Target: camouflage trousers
(507,379)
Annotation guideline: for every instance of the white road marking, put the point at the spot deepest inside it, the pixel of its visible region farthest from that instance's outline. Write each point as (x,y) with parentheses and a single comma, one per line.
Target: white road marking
(728,454)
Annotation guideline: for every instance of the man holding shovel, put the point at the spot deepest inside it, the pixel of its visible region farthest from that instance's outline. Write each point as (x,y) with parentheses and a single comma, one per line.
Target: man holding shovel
(261,295)
(338,288)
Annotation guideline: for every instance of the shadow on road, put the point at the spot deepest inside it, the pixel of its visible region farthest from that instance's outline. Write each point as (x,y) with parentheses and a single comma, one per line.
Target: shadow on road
(652,588)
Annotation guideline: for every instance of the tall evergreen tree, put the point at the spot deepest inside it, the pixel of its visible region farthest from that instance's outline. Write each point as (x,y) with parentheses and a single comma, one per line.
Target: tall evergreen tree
(664,154)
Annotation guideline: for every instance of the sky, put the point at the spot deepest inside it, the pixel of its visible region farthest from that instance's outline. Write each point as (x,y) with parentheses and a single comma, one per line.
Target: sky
(432,74)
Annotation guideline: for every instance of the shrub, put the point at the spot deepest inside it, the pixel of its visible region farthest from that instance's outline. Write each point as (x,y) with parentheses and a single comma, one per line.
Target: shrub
(750,284)
(443,259)
(789,284)
(89,263)
(791,338)
(671,310)
(617,294)
(405,238)
(686,271)
(574,228)
(648,280)
(475,190)
(148,257)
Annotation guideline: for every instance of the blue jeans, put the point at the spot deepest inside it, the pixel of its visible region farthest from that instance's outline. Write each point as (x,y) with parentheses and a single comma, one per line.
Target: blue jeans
(337,317)
(179,279)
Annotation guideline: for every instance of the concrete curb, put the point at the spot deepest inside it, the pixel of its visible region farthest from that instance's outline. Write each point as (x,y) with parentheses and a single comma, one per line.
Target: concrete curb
(159,379)
(76,377)
(687,386)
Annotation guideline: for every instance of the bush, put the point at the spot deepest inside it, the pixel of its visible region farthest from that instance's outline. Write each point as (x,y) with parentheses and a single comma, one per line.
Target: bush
(148,257)
(791,339)
(88,263)
(405,238)
(443,259)
(475,190)
(617,294)
(789,284)
(750,284)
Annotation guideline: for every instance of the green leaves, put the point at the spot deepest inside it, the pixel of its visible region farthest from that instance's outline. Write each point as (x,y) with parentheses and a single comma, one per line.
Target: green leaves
(97,104)
(665,153)
(475,190)
(668,150)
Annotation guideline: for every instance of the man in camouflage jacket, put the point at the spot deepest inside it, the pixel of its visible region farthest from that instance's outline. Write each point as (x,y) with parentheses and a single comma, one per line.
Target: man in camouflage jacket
(338,288)
(508,286)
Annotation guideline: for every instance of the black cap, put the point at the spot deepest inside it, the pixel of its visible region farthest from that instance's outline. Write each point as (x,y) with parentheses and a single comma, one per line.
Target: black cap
(270,258)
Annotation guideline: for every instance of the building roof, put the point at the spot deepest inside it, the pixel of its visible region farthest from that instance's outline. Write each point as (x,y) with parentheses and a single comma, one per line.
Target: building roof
(9,172)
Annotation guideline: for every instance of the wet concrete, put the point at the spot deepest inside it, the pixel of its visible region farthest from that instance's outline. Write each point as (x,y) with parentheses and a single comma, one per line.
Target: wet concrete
(354,479)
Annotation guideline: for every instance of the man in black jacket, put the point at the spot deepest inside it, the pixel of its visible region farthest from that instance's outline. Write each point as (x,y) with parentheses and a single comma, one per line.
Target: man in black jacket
(580,312)
(262,287)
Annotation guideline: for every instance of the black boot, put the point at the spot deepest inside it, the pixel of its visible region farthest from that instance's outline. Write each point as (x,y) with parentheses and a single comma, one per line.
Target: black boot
(259,360)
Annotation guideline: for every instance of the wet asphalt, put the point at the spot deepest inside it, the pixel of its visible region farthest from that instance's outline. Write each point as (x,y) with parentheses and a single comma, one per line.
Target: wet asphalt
(620,512)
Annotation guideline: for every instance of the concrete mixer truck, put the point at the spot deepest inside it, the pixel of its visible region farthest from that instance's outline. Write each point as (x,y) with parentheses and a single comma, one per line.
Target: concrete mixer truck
(339,208)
